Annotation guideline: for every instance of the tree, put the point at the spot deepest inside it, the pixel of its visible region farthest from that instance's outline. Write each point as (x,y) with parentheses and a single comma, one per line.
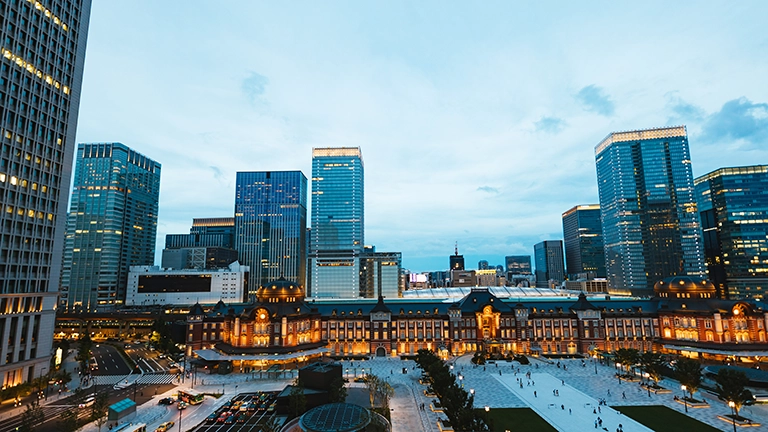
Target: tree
(627,357)
(297,402)
(372,383)
(730,387)
(84,351)
(652,365)
(68,421)
(688,372)
(337,391)
(99,409)
(32,417)
(385,393)
(271,425)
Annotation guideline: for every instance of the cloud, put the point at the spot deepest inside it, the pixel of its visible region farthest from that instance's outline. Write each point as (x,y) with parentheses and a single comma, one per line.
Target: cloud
(682,111)
(550,124)
(217,173)
(739,120)
(595,99)
(254,86)
(489,189)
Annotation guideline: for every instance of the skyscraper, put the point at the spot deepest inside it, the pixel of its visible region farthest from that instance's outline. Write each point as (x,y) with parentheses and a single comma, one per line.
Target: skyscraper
(518,264)
(583,236)
(337,234)
(209,245)
(733,205)
(549,263)
(650,224)
(270,225)
(43,52)
(112,225)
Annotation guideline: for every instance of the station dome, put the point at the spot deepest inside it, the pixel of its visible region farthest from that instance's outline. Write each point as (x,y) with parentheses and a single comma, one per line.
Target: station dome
(280,291)
(688,287)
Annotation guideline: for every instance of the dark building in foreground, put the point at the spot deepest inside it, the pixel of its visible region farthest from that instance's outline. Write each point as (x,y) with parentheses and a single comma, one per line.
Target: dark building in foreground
(583,238)
(43,52)
(733,205)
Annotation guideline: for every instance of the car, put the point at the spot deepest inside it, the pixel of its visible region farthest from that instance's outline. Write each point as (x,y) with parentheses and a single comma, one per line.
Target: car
(166,401)
(88,401)
(182,405)
(229,420)
(211,418)
(241,418)
(165,426)
(223,417)
(272,407)
(161,356)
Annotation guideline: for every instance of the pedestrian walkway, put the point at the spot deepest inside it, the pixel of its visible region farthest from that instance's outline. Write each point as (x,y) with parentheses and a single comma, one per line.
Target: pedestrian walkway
(141,379)
(564,407)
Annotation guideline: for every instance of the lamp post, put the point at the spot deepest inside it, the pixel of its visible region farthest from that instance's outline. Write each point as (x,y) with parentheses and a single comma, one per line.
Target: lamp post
(180,419)
(472,392)
(461,380)
(647,383)
(594,360)
(732,404)
(685,403)
(618,375)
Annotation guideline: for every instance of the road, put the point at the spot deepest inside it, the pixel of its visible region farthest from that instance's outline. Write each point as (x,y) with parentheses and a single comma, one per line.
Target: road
(149,361)
(109,361)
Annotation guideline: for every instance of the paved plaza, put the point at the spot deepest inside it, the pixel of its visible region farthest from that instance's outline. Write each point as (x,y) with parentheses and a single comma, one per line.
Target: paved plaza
(579,388)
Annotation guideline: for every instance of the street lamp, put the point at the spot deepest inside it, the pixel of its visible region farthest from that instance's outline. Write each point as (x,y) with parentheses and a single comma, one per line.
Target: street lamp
(685,403)
(732,404)
(487,408)
(618,375)
(594,360)
(461,380)
(647,383)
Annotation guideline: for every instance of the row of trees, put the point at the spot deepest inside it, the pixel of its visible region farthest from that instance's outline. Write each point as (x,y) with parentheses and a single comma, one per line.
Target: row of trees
(457,403)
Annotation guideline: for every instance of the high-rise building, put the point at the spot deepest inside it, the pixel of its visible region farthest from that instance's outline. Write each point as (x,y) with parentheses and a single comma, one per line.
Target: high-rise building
(42,70)
(205,232)
(518,264)
(380,274)
(337,222)
(651,228)
(482,265)
(270,226)
(549,263)
(733,205)
(456,261)
(583,237)
(112,225)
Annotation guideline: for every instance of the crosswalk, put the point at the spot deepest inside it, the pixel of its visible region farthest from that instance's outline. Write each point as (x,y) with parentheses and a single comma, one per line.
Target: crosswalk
(144,379)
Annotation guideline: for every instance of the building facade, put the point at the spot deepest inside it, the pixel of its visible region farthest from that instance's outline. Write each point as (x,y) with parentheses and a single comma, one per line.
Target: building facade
(43,53)
(651,228)
(380,274)
(583,238)
(683,317)
(112,225)
(205,232)
(338,215)
(271,224)
(550,269)
(733,206)
(155,286)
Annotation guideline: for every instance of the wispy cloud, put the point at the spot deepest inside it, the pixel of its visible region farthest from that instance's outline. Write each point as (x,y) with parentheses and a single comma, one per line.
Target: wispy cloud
(254,86)
(682,112)
(489,189)
(739,120)
(550,124)
(594,99)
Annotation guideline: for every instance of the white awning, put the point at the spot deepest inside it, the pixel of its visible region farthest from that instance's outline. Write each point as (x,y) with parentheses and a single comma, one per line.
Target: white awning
(213,355)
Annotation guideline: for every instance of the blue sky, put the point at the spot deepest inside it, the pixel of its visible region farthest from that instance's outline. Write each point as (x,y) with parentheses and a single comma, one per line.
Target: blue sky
(477,120)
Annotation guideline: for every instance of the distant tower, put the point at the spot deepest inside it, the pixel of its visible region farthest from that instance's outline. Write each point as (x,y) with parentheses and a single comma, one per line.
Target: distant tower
(651,227)
(456,260)
(549,263)
(583,235)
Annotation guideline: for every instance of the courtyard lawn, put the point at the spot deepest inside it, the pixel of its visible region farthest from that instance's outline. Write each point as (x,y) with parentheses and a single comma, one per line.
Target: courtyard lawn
(504,419)
(663,419)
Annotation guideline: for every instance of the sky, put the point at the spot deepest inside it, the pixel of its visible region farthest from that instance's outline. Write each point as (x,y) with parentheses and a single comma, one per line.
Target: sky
(477,120)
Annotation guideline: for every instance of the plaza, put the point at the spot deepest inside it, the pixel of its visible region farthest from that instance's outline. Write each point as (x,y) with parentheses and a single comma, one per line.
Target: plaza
(580,387)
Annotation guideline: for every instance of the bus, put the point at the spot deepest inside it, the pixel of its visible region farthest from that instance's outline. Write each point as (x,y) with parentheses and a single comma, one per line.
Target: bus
(131,427)
(191,397)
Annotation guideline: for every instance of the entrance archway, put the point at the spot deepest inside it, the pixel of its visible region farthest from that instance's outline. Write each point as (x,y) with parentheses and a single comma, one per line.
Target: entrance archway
(381,352)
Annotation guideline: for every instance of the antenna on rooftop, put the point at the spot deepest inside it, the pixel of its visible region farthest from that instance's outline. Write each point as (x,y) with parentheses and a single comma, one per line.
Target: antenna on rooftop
(456,248)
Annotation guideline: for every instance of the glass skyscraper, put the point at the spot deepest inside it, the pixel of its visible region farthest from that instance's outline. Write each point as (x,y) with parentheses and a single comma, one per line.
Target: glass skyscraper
(650,224)
(549,263)
(271,226)
(733,205)
(583,237)
(112,225)
(41,71)
(337,222)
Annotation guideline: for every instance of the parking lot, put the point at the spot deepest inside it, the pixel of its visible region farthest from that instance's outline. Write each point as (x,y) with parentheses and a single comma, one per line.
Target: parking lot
(243,412)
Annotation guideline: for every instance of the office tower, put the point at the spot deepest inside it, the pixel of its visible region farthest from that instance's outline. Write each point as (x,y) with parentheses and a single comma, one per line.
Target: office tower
(733,205)
(583,237)
(205,232)
(518,264)
(456,261)
(549,263)
(482,265)
(43,51)
(380,274)
(112,225)
(650,224)
(337,222)
(270,225)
